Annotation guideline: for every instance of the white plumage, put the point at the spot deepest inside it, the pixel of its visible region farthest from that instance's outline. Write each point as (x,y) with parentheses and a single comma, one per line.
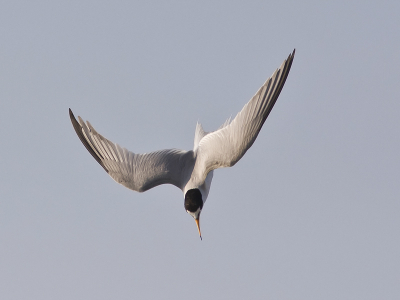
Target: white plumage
(188,170)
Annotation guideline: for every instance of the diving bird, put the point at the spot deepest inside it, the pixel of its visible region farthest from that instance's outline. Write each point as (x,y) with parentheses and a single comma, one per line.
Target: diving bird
(191,171)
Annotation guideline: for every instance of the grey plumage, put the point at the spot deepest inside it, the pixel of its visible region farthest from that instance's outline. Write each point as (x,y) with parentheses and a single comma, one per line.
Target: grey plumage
(187,169)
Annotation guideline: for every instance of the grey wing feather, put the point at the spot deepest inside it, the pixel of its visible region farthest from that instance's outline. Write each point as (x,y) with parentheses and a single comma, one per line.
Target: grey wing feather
(226,146)
(138,172)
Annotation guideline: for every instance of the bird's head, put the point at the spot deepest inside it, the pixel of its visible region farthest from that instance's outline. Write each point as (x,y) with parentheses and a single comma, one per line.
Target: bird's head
(194,205)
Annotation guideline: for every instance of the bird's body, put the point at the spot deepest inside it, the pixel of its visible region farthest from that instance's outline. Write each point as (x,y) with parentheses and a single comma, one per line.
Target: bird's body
(191,171)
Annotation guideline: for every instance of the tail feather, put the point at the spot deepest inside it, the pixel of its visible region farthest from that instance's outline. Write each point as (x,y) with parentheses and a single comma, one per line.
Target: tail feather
(200,133)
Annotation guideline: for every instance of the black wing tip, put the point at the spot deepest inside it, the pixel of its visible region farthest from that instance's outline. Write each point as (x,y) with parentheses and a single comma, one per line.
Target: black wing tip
(71,114)
(78,130)
(287,64)
(291,56)
(73,119)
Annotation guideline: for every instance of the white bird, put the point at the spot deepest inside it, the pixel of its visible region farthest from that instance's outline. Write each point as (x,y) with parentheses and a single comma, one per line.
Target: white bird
(191,171)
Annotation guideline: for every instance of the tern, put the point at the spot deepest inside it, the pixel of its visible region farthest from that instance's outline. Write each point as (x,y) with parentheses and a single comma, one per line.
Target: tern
(191,171)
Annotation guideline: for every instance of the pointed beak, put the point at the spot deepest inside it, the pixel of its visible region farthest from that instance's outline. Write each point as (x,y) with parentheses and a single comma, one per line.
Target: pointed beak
(198,226)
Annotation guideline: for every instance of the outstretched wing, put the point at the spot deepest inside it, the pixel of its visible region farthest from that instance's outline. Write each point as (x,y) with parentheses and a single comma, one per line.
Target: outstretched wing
(226,146)
(138,172)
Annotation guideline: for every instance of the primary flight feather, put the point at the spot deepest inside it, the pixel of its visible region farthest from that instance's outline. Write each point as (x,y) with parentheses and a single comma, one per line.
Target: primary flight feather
(192,170)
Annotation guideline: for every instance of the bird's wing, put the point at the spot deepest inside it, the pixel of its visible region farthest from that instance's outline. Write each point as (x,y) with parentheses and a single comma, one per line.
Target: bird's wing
(226,146)
(138,172)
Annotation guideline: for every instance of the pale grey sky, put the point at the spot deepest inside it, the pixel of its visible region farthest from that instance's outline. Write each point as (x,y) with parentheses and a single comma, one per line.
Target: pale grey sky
(312,211)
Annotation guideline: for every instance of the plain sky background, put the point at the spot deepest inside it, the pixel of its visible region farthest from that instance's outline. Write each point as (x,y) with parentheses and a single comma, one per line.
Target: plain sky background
(312,211)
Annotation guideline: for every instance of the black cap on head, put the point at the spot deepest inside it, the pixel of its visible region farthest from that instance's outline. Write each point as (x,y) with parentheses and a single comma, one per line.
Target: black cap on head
(193,200)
